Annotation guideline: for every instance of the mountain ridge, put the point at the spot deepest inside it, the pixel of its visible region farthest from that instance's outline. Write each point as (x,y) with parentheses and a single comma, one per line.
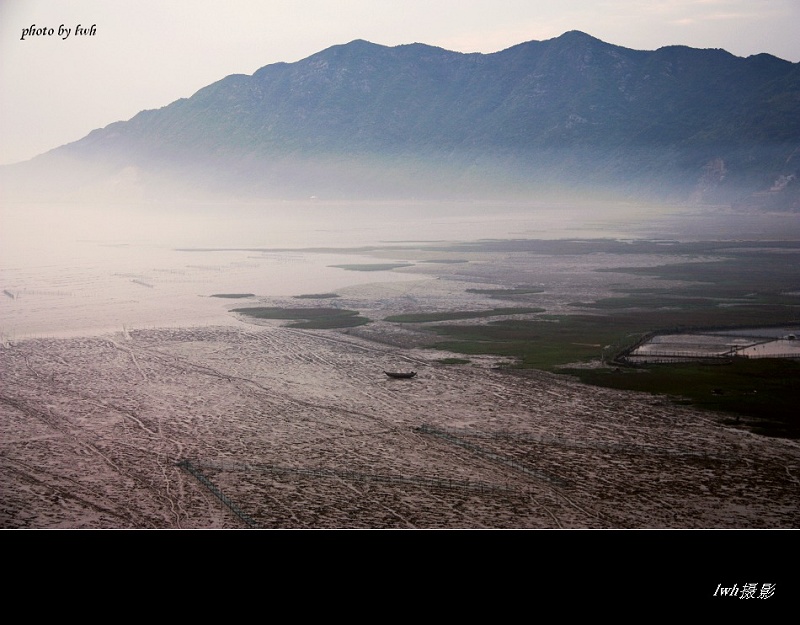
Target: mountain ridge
(365,120)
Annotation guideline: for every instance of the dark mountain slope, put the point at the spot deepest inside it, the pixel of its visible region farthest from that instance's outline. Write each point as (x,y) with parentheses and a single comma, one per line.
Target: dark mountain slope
(364,120)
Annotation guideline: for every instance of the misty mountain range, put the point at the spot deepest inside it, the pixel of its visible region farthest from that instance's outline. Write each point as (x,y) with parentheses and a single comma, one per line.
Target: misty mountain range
(571,115)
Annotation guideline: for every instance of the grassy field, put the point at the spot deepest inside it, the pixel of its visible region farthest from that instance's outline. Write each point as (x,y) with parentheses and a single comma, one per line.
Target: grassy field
(233,295)
(546,342)
(372,266)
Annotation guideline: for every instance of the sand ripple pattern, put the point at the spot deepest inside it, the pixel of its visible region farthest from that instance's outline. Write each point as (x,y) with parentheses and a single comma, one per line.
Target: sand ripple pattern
(301,429)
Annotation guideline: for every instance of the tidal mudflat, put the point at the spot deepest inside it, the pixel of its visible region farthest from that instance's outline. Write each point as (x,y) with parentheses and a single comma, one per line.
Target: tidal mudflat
(234,421)
(222,427)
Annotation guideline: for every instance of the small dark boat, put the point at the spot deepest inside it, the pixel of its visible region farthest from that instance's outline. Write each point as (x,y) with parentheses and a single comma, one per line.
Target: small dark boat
(401,374)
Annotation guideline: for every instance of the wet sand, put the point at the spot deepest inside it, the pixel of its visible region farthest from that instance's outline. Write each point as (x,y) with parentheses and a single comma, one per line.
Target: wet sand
(263,426)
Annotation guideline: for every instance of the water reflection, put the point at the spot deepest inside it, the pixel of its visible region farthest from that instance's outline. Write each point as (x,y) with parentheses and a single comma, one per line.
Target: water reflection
(70,268)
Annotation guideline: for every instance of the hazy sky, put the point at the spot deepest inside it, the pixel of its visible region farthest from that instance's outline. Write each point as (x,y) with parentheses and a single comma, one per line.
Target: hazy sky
(148,53)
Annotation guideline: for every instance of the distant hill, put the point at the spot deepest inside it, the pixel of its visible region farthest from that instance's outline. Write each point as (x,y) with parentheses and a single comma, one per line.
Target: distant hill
(568,115)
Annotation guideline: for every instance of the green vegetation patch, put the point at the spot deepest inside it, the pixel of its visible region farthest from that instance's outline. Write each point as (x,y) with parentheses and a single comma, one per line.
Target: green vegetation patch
(550,341)
(372,266)
(542,343)
(762,275)
(460,314)
(330,323)
(655,301)
(447,261)
(453,361)
(762,394)
(233,295)
(308,318)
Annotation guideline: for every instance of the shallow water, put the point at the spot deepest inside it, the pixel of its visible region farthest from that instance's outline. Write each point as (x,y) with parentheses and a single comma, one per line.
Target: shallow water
(75,269)
(64,275)
(96,288)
